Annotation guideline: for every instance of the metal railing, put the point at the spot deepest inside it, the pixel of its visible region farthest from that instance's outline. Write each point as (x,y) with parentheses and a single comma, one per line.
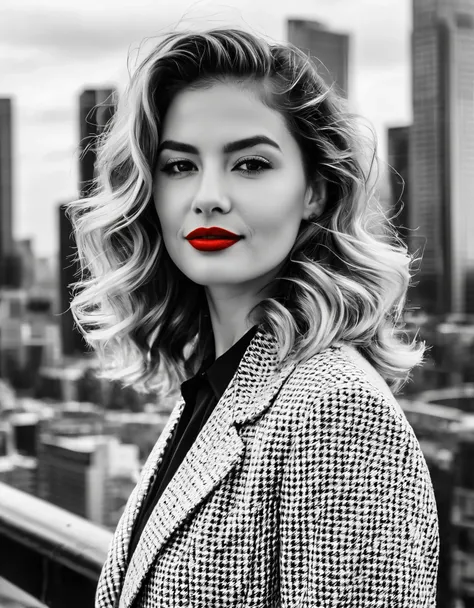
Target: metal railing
(48,552)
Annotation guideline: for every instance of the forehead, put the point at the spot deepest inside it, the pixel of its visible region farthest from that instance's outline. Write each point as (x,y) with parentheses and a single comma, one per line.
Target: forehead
(221,112)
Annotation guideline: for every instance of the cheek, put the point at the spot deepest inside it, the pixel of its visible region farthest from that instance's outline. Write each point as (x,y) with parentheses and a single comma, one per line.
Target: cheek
(279,209)
(166,208)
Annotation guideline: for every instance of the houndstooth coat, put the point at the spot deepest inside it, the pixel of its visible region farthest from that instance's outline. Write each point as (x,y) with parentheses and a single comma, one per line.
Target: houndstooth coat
(305,489)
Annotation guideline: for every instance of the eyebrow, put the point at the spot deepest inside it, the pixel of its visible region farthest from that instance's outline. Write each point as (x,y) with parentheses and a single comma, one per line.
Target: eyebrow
(233,146)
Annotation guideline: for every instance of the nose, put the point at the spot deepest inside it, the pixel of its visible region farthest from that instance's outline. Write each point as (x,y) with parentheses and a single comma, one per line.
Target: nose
(210,195)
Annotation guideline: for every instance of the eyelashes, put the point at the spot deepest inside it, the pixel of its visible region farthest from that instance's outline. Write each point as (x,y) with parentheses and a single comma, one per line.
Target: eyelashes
(261,163)
(169,167)
(254,160)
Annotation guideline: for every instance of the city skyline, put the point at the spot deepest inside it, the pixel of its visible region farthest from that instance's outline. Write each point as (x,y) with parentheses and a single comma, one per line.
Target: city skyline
(51,53)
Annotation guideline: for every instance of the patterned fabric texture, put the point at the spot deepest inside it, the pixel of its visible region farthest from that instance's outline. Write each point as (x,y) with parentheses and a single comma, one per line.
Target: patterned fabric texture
(306,488)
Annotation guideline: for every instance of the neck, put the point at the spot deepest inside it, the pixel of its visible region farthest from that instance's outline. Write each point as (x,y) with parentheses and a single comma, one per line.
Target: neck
(230,305)
(229,318)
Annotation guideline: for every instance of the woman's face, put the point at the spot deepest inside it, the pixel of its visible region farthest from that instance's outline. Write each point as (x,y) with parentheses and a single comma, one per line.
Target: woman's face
(257,189)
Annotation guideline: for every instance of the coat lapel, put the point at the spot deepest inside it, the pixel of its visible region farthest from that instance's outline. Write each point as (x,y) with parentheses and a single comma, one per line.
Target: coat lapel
(217,450)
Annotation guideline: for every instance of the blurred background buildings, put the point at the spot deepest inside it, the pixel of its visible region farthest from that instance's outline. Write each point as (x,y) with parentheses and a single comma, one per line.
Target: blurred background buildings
(79,442)
(328,50)
(442,153)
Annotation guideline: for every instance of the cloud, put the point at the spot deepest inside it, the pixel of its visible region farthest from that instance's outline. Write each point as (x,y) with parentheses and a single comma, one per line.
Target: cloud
(382,46)
(46,115)
(18,61)
(88,32)
(68,33)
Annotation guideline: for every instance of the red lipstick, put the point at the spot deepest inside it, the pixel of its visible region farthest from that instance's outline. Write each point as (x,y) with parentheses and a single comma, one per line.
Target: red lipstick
(212,239)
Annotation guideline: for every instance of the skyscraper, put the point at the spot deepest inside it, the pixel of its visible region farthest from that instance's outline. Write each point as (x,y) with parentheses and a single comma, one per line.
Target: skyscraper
(72,342)
(329,50)
(442,153)
(6,222)
(398,150)
(96,107)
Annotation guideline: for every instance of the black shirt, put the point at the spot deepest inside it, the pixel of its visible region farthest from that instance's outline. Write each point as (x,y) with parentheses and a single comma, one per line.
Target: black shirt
(201,394)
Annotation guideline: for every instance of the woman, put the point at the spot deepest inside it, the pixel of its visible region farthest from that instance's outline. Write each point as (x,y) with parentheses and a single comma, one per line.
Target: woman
(233,245)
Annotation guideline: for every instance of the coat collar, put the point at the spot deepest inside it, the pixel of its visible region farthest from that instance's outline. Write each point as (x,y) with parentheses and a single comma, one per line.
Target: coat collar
(217,450)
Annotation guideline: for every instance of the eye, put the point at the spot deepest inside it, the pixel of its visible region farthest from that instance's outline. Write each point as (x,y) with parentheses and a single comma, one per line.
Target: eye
(177,167)
(259,164)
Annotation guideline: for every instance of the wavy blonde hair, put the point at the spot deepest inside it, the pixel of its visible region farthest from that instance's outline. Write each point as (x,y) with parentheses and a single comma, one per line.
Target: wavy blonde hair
(345,279)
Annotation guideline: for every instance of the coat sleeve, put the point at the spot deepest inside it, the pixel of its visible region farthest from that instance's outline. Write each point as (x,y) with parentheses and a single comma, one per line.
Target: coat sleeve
(358,517)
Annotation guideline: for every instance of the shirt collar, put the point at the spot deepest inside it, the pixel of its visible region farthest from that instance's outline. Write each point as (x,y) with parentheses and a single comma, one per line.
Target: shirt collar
(220,372)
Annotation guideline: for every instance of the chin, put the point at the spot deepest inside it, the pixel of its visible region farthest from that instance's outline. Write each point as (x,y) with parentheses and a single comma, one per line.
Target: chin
(225,279)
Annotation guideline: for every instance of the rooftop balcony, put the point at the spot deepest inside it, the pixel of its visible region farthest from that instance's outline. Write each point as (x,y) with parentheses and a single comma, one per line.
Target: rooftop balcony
(49,553)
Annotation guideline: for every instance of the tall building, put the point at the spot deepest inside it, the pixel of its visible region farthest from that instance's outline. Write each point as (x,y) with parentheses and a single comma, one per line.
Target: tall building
(72,342)
(329,50)
(442,153)
(25,264)
(398,159)
(6,189)
(96,107)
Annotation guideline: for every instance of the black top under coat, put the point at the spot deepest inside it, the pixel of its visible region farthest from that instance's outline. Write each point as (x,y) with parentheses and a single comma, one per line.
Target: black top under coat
(201,393)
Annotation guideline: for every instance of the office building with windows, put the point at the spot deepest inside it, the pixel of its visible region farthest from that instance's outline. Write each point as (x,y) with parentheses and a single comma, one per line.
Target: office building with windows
(442,153)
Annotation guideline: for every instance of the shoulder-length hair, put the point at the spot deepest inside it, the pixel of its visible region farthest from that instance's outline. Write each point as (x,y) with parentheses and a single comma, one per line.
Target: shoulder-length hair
(345,279)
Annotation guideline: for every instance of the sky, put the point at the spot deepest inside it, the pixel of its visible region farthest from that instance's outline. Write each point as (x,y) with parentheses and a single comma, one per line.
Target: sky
(50,50)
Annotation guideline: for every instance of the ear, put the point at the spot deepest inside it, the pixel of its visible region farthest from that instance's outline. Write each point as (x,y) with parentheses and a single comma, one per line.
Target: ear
(315,199)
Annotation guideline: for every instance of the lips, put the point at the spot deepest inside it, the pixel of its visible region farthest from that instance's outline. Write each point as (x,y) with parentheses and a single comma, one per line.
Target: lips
(212,239)
(212,244)
(213,231)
